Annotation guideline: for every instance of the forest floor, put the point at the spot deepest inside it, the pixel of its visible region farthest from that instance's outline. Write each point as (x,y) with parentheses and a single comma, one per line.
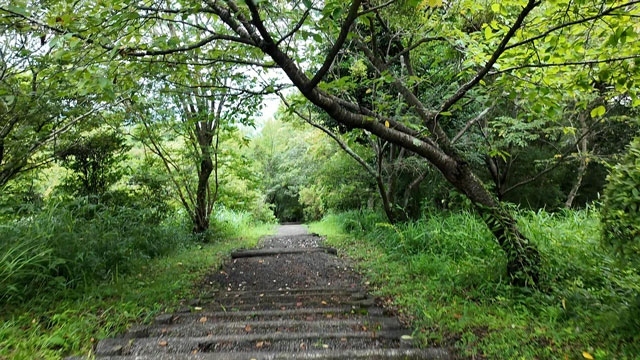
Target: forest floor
(291,298)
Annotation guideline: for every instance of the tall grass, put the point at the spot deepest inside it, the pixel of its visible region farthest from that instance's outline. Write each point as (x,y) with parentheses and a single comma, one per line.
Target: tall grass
(98,269)
(447,273)
(71,244)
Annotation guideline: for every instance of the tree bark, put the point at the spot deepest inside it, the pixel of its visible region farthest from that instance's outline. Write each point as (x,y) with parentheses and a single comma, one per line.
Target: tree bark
(204,132)
(582,156)
(523,258)
(201,223)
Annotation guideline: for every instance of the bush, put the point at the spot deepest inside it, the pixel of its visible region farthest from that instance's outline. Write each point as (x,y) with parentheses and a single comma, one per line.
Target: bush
(621,210)
(75,243)
(447,274)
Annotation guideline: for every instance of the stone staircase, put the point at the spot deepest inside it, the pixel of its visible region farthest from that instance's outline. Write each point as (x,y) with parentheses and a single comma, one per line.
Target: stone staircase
(324,316)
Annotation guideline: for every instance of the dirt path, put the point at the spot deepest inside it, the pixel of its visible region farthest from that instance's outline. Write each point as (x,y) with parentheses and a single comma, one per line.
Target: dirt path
(289,299)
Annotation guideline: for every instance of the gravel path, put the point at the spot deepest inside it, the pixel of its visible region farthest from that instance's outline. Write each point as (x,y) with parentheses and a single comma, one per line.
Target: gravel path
(289,270)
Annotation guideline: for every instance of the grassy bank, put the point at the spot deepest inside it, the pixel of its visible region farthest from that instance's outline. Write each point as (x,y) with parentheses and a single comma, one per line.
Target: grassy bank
(65,320)
(446,275)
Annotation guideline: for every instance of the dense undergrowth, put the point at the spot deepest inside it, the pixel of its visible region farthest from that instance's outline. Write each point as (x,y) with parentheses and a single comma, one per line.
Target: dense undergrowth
(447,276)
(77,272)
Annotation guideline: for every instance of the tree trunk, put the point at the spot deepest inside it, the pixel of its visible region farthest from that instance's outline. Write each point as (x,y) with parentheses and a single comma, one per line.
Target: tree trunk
(582,154)
(201,223)
(576,186)
(386,205)
(523,258)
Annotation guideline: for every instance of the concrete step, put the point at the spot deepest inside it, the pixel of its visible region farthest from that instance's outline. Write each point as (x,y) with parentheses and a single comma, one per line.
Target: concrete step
(327,291)
(276,341)
(262,298)
(258,304)
(309,314)
(208,328)
(281,251)
(370,354)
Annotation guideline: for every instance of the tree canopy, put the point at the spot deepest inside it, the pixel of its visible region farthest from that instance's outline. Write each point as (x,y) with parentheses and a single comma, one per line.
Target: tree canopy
(464,85)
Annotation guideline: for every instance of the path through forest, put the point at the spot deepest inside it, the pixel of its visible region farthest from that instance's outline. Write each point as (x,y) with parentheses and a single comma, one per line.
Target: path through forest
(291,298)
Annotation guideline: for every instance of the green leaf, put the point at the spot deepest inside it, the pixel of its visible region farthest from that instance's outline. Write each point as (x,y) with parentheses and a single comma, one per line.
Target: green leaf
(599,111)
(17,10)
(432,3)
(487,32)
(56,340)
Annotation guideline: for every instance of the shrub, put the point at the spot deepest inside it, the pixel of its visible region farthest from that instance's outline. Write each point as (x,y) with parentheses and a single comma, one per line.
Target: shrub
(76,243)
(621,210)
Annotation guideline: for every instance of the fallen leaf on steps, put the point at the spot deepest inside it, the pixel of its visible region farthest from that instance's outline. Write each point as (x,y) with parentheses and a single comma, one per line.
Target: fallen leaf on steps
(162,343)
(261,344)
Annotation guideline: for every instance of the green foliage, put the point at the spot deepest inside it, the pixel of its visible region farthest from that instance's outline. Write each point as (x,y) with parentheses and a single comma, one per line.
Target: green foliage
(447,276)
(94,161)
(304,174)
(621,208)
(52,326)
(70,244)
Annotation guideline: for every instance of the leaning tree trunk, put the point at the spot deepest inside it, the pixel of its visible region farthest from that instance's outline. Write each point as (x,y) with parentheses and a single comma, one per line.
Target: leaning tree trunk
(523,258)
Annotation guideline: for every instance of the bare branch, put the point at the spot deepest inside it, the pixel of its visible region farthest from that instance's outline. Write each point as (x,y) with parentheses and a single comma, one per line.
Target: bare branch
(332,135)
(502,47)
(414,46)
(295,28)
(376,8)
(199,44)
(568,63)
(427,116)
(342,37)
(606,12)
(469,124)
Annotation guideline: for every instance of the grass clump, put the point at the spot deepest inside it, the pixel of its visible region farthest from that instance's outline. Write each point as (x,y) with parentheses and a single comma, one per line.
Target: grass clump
(68,245)
(447,276)
(154,270)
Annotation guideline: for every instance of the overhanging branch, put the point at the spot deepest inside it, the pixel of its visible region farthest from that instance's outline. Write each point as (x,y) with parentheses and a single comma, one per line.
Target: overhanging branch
(342,37)
(502,47)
